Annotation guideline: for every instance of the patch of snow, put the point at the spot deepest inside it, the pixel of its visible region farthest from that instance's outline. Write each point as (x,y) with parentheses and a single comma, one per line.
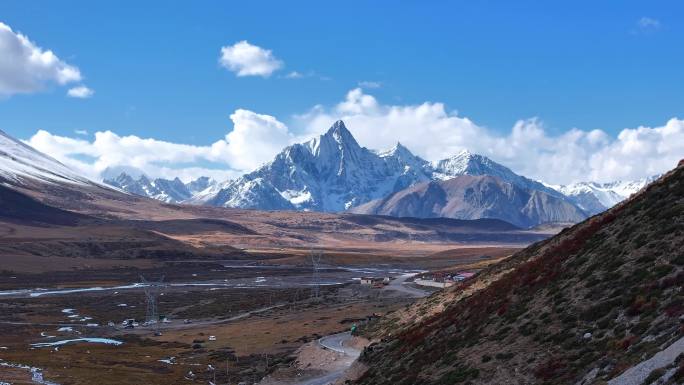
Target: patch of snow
(106,341)
(297,197)
(168,360)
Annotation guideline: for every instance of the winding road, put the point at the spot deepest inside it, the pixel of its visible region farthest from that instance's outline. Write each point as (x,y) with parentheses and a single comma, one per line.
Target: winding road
(336,343)
(398,284)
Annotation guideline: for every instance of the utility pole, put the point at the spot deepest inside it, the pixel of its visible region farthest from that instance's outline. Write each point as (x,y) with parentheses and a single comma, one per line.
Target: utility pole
(152,289)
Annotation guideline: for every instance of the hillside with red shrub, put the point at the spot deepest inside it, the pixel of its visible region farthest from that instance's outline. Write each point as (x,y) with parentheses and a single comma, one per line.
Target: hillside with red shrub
(581,307)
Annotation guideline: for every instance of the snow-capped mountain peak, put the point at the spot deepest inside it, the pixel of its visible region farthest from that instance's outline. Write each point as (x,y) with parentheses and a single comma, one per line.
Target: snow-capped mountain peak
(399,151)
(337,137)
(331,172)
(341,134)
(467,163)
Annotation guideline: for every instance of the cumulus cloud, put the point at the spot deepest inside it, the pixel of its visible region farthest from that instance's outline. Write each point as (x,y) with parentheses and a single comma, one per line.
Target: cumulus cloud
(255,138)
(429,129)
(433,132)
(26,67)
(246,59)
(81,92)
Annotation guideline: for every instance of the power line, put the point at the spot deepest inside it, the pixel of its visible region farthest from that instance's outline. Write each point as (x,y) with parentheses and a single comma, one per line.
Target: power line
(316,277)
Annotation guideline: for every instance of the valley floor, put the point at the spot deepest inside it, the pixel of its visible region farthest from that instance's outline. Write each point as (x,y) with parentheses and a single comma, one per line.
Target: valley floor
(245,319)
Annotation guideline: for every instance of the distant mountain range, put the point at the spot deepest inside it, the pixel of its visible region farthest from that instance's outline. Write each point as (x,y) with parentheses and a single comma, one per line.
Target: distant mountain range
(169,191)
(333,173)
(595,197)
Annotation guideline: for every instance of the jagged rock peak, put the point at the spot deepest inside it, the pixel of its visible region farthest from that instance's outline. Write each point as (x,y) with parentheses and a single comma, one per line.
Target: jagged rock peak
(400,149)
(340,133)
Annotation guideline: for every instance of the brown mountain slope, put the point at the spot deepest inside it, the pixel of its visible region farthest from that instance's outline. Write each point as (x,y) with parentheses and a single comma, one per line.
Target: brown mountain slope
(581,307)
(29,227)
(20,208)
(472,197)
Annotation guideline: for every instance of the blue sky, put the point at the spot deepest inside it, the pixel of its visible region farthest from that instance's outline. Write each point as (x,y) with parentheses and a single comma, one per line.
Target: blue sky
(154,66)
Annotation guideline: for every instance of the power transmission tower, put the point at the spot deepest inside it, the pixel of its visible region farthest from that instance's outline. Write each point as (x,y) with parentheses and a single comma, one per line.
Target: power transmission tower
(316,277)
(152,289)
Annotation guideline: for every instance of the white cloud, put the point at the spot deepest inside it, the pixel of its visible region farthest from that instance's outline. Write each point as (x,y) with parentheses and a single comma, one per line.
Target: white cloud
(294,75)
(307,74)
(428,129)
(246,59)
(433,133)
(255,138)
(26,67)
(81,132)
(81,92)
(370,84)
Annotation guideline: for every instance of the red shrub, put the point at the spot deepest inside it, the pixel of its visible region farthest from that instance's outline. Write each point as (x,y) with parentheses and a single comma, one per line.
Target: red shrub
(674,309)
(552,369)
(626,342)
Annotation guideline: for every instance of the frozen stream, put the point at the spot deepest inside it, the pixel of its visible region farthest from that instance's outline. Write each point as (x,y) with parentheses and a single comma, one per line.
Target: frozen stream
(92,340)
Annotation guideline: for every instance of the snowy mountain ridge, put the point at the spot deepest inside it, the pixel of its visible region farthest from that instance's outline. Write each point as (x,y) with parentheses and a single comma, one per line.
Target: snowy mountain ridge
(594,197)
(165,190)
(21,163)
